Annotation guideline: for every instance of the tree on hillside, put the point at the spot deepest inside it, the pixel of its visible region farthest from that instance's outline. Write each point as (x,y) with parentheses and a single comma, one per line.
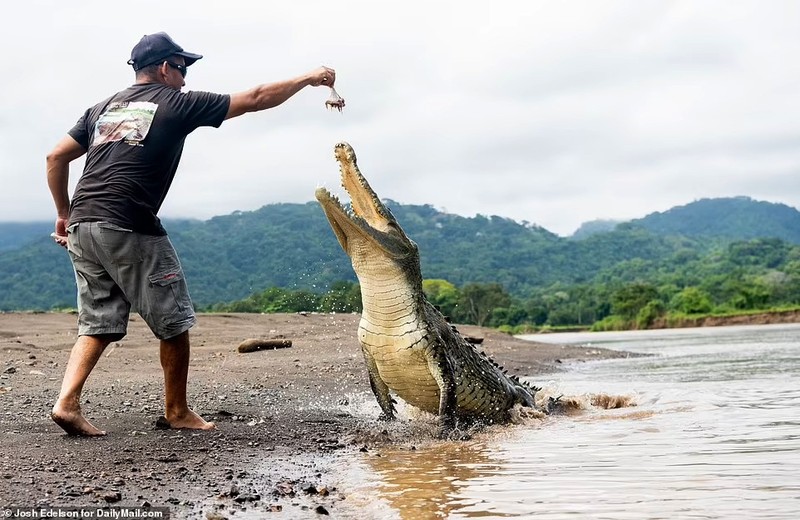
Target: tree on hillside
(630,299)
(443,294)
(478,300)
(767,252)
(649,313)
(692,300)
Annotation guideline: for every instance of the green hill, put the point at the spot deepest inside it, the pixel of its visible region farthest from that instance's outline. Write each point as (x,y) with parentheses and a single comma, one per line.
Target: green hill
(735,218)
(16,234)
(291,246)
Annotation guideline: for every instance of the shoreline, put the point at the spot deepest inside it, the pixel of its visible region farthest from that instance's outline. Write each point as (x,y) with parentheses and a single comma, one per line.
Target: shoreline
(283,416)
(756,318)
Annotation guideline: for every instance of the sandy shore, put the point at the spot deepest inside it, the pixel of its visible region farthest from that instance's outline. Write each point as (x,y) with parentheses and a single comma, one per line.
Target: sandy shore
(283,416)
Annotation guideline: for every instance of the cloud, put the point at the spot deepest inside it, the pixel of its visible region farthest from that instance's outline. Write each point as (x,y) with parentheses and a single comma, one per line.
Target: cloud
(552,113)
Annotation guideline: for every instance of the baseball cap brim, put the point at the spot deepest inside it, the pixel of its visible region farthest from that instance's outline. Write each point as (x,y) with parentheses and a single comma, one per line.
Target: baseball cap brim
(189,57)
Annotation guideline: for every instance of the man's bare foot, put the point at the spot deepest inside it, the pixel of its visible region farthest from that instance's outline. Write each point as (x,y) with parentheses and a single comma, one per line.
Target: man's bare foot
(187,420)
(74,423)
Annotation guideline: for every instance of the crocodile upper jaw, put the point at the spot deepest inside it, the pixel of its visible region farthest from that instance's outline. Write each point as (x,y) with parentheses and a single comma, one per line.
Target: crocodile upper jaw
(367,218)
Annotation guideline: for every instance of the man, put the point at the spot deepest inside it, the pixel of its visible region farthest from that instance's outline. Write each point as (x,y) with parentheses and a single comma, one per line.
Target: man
(120,252)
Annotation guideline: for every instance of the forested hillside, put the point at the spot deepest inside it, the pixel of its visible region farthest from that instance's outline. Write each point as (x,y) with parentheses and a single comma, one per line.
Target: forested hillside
(291,246)
(734,218)
(16,234)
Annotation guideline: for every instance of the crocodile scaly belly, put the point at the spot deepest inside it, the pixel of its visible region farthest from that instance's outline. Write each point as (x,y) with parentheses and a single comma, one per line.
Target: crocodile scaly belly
(402,366)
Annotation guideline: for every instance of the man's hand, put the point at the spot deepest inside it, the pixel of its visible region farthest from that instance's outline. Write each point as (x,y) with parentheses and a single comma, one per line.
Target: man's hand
(60,240)
(323,76)
(60,234)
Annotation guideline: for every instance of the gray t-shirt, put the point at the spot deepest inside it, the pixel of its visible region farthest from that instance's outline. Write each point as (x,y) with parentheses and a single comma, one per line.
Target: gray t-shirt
(133,143)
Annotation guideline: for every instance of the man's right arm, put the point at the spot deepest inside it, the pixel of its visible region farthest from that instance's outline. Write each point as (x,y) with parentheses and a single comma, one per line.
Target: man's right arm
(65,151)
(270,95)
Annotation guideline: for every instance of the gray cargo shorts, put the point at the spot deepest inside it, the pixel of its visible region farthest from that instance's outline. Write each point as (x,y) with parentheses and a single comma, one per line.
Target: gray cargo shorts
(117,269)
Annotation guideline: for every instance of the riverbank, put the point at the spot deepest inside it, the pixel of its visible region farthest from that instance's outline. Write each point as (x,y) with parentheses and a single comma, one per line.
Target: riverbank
(687,321)
(757,318)
(283,416)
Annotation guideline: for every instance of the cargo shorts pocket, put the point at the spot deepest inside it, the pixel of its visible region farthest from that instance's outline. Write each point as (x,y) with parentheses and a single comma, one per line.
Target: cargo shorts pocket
(166,296)
(121,245)
(73,240)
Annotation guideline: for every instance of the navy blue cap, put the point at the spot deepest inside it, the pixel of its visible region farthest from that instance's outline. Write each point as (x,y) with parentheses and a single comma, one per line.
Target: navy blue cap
(153,48)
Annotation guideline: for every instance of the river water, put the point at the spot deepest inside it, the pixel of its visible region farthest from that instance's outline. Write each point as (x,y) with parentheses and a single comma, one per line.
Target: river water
(715,433)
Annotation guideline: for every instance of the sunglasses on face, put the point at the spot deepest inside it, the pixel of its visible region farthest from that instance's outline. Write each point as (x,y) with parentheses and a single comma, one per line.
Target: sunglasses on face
(178,67)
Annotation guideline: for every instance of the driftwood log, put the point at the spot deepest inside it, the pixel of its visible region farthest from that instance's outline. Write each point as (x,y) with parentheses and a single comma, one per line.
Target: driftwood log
(252,345)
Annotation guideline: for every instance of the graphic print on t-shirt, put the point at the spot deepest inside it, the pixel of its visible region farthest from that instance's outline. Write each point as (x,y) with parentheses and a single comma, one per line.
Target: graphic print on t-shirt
(127,121)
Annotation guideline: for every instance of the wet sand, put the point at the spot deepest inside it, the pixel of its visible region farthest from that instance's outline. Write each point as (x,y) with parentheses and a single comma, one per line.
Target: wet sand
(284,416)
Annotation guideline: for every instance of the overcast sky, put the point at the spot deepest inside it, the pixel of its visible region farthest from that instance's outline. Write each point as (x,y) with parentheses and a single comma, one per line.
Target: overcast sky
(554,113)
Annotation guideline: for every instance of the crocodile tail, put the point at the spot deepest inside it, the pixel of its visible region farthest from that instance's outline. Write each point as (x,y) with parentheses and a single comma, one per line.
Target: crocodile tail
(524,396)
(532,389)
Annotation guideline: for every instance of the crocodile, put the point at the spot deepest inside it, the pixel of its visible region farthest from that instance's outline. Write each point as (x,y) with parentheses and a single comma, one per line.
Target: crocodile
(410,348)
